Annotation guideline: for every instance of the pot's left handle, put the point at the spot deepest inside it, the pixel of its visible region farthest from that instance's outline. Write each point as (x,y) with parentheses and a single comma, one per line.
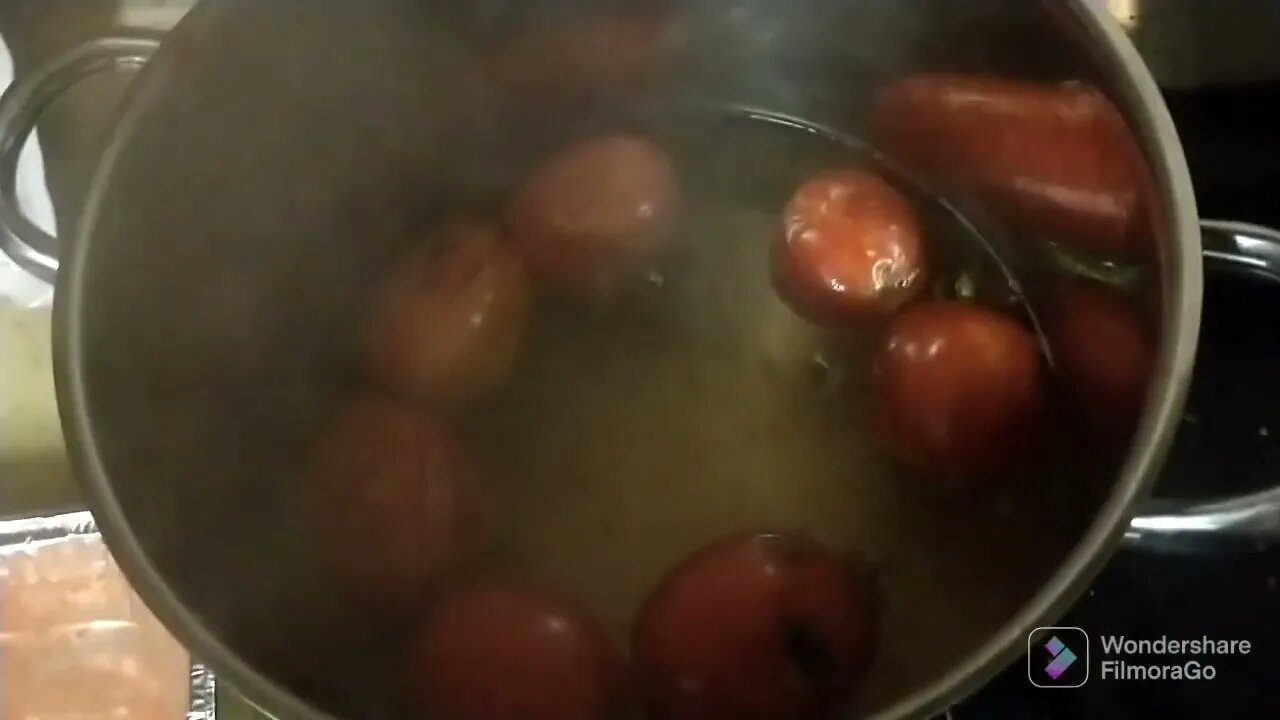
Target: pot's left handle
(21,105)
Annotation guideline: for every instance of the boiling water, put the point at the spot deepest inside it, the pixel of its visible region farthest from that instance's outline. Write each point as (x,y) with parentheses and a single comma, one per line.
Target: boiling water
(211,320)
(701,405)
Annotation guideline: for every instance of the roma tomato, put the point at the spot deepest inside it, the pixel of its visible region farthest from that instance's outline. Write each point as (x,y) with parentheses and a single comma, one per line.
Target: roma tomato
(497,653)
(755,627)
(958,388)
(446,326)
(850,249)
(393,500)
(1104,353)
(1047,158)
(596,216)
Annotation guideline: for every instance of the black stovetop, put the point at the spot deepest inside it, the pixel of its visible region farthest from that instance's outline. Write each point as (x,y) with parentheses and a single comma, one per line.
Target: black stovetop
(1232,139)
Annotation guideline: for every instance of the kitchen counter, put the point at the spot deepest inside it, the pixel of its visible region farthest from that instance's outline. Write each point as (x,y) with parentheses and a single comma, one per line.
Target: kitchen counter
(34,477)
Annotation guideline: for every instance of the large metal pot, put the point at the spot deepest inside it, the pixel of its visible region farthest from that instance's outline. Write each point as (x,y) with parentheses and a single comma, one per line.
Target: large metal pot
(234,227)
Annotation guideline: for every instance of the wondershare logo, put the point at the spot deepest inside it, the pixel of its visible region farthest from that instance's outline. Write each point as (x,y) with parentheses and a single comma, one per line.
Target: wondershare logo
(1058,657)
(1063,658)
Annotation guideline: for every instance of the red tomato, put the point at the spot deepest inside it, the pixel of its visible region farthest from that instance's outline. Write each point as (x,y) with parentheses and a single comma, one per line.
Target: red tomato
(596,216)
(1048,158)
(850,249)
(393,500)
(494,653)
(446,326)
(958,388)
(755,627)
(1103,352)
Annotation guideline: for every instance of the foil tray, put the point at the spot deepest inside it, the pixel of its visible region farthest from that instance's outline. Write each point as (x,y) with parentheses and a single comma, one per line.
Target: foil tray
(32,533)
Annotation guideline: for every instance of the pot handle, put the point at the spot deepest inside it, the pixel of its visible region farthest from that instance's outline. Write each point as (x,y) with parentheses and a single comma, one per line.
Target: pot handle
(1167,523)
(21,105)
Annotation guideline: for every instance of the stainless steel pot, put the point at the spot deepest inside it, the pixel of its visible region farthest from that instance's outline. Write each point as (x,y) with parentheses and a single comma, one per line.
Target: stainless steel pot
(229,239)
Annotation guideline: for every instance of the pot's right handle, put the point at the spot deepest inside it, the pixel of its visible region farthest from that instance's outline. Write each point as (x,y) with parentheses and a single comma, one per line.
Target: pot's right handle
(1165,524)
(21,105)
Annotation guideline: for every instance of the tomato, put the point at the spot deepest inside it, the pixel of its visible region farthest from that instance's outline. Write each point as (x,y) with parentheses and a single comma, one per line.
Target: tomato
(958,388)
(446,326)
(393,501)
(1055,159)
(500,653)
(850,249)
(1103,351)
(596,216)
(755,627)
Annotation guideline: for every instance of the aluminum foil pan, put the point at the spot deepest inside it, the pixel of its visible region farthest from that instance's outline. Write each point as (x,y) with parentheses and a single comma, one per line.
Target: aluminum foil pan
(84,608)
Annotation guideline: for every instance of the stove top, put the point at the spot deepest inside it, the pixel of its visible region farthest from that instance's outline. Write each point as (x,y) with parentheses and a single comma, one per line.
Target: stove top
(1229,442)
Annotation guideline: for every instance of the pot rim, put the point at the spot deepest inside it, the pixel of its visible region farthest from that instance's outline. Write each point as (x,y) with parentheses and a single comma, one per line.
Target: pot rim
(1139,98)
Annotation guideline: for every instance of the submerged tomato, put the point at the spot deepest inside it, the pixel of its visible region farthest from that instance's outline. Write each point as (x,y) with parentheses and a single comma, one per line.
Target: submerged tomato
(598,215)
(495,653)
(1103,352)
(958,388)
(1054,159)
(755,627)
(446,326)
(393,501)
(850,249)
